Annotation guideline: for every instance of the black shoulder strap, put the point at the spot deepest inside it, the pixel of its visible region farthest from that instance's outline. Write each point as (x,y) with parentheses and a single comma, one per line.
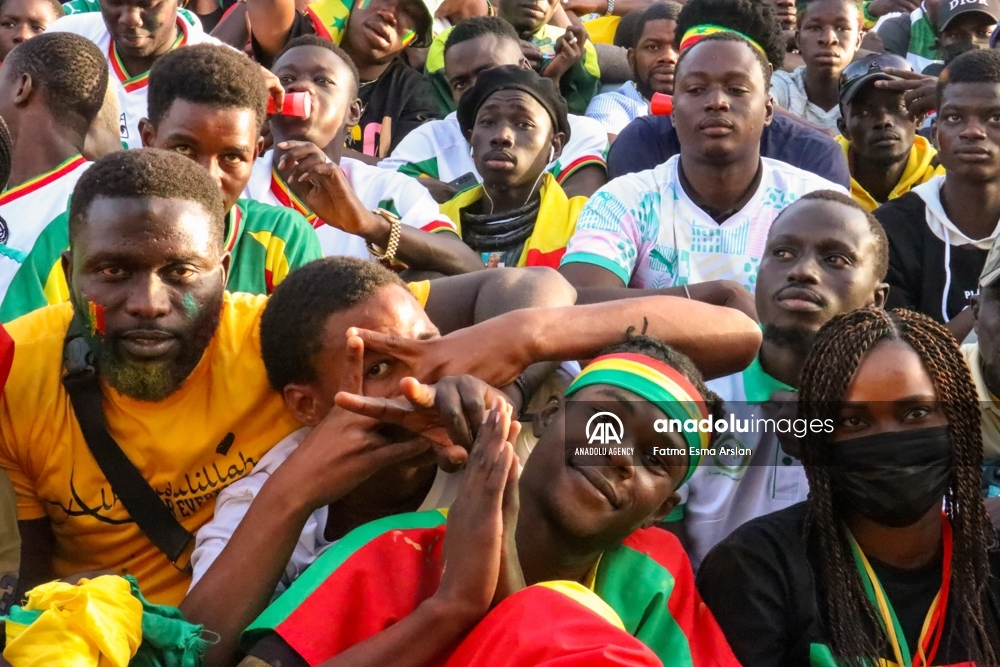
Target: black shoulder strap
(143,504)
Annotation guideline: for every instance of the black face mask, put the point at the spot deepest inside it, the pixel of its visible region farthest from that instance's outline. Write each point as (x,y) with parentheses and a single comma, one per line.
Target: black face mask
(892,478)
(952,51)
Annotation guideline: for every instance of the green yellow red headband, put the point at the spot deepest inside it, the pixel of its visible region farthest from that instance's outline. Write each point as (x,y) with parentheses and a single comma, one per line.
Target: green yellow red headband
(656,382)
(700,32)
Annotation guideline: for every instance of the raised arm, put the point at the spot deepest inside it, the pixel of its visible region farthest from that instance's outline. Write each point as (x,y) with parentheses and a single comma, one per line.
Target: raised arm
(270,23)
(719,340)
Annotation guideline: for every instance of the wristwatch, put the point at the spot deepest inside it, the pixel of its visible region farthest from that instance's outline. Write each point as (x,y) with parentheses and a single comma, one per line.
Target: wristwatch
(395,229)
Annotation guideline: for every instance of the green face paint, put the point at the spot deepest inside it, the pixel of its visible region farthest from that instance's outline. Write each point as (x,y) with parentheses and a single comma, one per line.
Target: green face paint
(190,305)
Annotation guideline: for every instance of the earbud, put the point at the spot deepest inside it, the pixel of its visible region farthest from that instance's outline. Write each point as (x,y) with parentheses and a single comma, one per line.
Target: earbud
(552,154)
(470,151)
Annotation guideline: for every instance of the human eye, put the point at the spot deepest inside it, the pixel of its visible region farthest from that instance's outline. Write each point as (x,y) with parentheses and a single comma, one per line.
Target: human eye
(917,413)
(377,370)
(6,24)
(838,260)
(113,272)
(782,253)
(183,149)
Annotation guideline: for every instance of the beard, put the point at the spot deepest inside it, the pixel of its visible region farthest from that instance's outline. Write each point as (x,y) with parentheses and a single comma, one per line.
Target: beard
(154,380)
(799,341)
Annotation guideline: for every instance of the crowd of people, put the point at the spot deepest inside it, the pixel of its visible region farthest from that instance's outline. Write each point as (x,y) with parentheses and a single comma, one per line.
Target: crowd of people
(500,333)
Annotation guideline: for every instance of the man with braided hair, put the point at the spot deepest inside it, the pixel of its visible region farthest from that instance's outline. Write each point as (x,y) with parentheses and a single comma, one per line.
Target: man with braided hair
(51,90)
(870,569)
(825,256)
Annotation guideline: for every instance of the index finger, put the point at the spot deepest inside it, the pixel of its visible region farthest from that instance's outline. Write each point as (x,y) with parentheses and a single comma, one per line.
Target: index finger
(899,85)
(906,74)
(274,88)
(354,366)
(403,349)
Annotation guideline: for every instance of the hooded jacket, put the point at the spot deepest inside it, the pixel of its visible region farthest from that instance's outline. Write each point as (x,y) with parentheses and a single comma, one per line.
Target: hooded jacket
(933,266)
(920,168)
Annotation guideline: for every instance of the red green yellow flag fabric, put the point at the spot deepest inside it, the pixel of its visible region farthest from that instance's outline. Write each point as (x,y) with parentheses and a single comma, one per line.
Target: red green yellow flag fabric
(380,572)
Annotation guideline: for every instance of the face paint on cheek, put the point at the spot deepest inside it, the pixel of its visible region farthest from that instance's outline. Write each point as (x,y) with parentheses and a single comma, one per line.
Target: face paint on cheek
(363,4)
(95,314)
(190,305)
(408,37)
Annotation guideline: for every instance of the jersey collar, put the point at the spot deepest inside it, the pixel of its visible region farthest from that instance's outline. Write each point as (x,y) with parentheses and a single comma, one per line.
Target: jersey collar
(139,81)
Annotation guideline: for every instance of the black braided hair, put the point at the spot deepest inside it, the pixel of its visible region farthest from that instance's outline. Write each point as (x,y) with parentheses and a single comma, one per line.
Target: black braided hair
(836,355)
(6,153)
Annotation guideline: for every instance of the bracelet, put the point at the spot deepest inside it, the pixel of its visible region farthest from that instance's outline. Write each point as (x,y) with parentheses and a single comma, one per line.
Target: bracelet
(868,20)
(395,230)
(611,8)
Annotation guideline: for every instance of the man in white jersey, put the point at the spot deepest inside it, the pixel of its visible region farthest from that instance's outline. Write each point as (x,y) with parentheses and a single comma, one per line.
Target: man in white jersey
(439,152)
(132,35)
(358,210)
(51,89)
(825,256)
(702,215)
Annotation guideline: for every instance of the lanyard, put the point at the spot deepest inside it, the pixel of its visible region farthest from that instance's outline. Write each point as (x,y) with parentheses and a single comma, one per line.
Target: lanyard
(933,627)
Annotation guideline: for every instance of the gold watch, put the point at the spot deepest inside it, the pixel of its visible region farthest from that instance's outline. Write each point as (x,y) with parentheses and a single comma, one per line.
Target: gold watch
(395,230)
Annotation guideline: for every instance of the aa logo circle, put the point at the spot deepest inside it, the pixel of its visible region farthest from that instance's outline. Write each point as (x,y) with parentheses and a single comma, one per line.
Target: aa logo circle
(604,428)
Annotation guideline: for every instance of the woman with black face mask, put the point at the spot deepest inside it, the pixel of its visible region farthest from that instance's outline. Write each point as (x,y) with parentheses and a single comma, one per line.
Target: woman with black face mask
(893,556)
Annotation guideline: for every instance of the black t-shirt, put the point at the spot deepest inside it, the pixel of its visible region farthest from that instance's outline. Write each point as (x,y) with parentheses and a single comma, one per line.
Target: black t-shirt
(395,103)
(917,271)
(761,585)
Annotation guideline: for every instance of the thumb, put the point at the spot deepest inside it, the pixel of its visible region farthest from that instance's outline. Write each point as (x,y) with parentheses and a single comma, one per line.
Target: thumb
(419,394)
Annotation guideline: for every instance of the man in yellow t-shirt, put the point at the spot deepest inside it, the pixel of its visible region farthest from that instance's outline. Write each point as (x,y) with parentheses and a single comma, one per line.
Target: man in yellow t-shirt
(185,394)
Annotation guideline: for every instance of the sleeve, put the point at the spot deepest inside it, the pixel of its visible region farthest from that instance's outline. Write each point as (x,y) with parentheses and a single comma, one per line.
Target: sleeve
(745,590)
(230,508)
(434,72)
(779,89)
(643,144)
(40,280)
(580,83)
(414,155)
(904,291)
(14,452)
(895,35)
(610,232)
(299,246)
(605,109)
(415,206)
(588,145)
(81,7)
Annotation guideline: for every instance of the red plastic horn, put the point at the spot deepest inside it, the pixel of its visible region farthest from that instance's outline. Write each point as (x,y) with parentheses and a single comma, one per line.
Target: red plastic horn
(661,104)
(296,104)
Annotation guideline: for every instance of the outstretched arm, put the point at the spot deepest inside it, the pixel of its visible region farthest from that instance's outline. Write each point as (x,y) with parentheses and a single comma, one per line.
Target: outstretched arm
(498,350)
(270,23)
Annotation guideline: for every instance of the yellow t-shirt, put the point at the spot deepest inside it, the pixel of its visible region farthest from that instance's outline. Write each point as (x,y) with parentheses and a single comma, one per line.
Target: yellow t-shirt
(189,447)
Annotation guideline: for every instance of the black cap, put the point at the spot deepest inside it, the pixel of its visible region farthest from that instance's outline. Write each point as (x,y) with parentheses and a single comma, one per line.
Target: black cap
(513,77)
(868,70)
(950,9)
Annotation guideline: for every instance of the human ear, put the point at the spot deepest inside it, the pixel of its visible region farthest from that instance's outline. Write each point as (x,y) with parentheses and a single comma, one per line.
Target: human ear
(881,295)
(543,418)
(302,402)
(148,133)
(664,510)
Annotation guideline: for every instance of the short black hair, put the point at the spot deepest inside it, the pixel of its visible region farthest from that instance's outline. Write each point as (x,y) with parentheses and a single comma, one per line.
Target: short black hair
(56,5)
(979,66)
(209,74)
(479,26)
(291,327)
(658,11)
(765,67)
(802,5)
(146,173)
(754,18)
(70,69)
(323,43)
(657,349)
(6,155)
(874,226)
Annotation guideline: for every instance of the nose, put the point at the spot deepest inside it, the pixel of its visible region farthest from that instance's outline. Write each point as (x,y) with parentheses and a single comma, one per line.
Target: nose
(804,270)
(883,120)
(130,17)
(668,56)
(22,34)
(387,12)
(503,136)
(150,299)
(301,85)
(973,130)
(828,36)
(716,99)
(624,464)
